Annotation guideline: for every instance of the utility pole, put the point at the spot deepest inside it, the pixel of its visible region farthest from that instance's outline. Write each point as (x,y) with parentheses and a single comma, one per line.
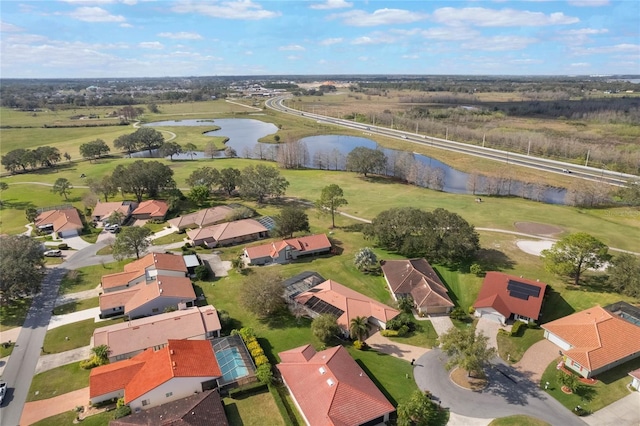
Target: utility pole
(483,136)
(446,133)
(587,161)
(529,147)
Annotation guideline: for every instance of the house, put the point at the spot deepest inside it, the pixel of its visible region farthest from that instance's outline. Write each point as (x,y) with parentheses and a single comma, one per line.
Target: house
(63,222)
(286,250)
(156,377)
(228,233)
(416,278)
(145,269)
(201,218)
(594,340)
(329,388)
(203,408)
(102,211)
(346,304)
(300,283)
(505,297)
(635,382)
(150,298)
(125,340)
(151,209)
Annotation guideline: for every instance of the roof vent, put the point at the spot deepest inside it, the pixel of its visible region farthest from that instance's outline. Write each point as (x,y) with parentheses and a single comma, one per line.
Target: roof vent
(322,370)
(330,382)
(160,291)
(171,352)
(174,364)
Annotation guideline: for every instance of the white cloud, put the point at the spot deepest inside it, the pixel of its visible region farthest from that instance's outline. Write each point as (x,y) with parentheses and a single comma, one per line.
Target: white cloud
(126,25)
(330,41)
(580,64)
(449,33)
(156,45)
(499,43)
(95,2)
(483,17)
(410,57)
(626,48)
(322,61)
(95,14)
(6,27)
(360,18)
(292,47)
(181,36)
(589,3)
(585,31)
(376,38)
(331,4)
(526,61)
(293,57)
(244,9)
(248,53)
(363,58)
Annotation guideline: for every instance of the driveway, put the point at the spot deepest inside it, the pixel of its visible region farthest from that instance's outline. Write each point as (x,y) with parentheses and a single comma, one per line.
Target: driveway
(38,410)
(624,412)
(60,320)
(407,352)
(219,267)
(48,362)
(490,329)
(509,393)
(537,358)
(441,323)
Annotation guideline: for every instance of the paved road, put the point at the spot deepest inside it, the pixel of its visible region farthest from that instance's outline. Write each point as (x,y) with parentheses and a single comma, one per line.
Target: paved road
(503,397)
(24,358)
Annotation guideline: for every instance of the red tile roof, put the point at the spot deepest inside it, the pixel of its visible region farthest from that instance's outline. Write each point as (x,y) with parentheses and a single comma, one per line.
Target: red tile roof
(301,244)
(164,286)
(119,279)
(635,374)
(104,210)
(153,208)
(331,388)
(61,220)
(166,261)
(148,370)
(351,302)
(597,337)
(227,230)
(495,294)
(202,218)
(416,277)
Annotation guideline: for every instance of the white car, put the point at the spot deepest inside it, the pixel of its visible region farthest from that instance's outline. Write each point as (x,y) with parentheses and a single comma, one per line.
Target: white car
(53,253)
(3,391)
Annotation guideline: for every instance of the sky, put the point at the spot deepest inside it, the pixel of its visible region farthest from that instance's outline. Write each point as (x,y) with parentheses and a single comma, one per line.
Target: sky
(143,38)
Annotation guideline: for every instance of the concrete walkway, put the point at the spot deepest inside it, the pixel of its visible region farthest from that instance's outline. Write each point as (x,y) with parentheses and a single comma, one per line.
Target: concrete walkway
(164,232)
(60,320)
(63,299)
(441,323)
(407,352)
(38,410)
(536,359)
(48,362)
(623,412)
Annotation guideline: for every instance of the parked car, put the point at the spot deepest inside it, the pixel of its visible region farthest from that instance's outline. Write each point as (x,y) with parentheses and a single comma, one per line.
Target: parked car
(53,253)
(114,229)
(3,391)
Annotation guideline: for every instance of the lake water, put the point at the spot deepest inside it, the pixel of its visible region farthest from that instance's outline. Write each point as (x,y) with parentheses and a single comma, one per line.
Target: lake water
(329,152)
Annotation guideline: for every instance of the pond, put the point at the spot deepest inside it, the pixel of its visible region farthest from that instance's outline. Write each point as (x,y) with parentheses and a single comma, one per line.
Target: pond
(330,151)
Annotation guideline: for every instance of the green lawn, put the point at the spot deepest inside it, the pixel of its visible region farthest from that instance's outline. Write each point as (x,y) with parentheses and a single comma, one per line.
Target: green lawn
(424,335)
(519,420)
(66,419)
(58,381)
(79,334)
(513,347)
(6,351)
(13,314)
(79,305)
(611,386)
(169,239)
(252,410)
(88,277)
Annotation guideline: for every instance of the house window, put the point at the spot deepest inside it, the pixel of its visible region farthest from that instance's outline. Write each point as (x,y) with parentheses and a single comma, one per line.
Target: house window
(145,402)
(168,394)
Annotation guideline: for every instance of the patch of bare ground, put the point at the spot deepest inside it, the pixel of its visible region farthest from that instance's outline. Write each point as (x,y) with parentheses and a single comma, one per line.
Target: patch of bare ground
(538,228)
(461,378)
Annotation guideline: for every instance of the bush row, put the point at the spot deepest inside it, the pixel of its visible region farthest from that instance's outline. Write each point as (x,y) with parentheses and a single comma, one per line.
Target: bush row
(246,390)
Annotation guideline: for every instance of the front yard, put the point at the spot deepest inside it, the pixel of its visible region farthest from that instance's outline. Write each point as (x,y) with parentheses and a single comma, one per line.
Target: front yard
(88,277)
(513,347)
(72,336)
(58,381)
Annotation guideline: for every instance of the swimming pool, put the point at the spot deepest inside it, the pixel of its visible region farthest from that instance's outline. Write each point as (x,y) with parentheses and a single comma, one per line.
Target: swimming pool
(231,364)
(630,318)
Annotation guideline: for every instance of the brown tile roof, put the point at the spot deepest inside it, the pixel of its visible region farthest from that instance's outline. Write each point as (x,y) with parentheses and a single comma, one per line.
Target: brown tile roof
(61,220)
(331,388)
(227,230)
(164,286)
(351,302)
(203,409)
(202,218)
(416,277)
(635,373)
(117,298)
(166,261)
(156,330)
(301,244)
(105,210)
(119,279)
(495,293)
(597,337)
(154,208)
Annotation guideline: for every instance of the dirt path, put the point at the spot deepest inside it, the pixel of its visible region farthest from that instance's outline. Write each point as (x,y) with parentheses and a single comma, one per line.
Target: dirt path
(38,410)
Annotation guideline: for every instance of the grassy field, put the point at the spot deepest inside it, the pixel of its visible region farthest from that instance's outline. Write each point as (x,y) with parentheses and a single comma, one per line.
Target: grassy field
(252,410)
(78,334)
(518,421)
(13,314)
(88,277)
(611,386)
(58,381)
(80,305)
(424,335)
(66,419)
(513,347)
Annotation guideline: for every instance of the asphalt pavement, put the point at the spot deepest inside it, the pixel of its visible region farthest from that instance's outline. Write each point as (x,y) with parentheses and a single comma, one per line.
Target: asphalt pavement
(23,360)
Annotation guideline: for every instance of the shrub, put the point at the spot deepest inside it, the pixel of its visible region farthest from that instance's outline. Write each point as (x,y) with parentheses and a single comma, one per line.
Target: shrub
(122,412)
(257,352)
(202,272)
(120,403)
(253,345)
(389,333)
(246,333)
(515,328)
(261,360)
(63,246)
(264,374)
(90,363)
(459,314)
(358,345)
(476,270)
(399,321)
(246,390)
(472,310)
(403,331)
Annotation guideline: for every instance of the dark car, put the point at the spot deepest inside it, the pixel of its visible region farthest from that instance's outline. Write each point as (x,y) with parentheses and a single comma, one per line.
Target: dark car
(3,391)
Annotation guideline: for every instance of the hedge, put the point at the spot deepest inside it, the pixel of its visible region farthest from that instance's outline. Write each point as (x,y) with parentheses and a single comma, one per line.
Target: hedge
(287,415)
(246,390)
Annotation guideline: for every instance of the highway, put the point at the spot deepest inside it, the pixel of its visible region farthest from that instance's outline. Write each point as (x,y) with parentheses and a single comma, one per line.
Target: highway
(543,164)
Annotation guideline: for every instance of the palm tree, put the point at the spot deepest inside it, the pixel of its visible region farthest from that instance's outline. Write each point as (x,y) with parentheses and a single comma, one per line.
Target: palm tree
(101,353)
(359,328)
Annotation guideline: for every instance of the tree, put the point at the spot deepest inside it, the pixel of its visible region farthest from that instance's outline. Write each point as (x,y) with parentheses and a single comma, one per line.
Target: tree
(48,156)
(190,149)
(169,149)
(364,259)
(153,107)
(574,254)
(229,179)
(325,327)
(366,160)
(406,304)
(3,187)
(117,217)
(199,194)
(568,380)
(94,149)
(418,410)
(630,193)
(21,267)
(263,293)
(291,219)
(147,138)
(331,198)
(210,150)
(101,354)
(359,328)
(131,240)
(62,186)
(143,177)
(624,274)
(126,143)
(230,152)
(466,349)
(105,187)
(204,176)
(31,214)
(14,160)
(260,182)
(67,156)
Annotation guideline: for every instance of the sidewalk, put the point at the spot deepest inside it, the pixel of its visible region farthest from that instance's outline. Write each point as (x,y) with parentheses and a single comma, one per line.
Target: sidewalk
(38,410)
(60,320)
(623,412)
(48,362)
(63,299)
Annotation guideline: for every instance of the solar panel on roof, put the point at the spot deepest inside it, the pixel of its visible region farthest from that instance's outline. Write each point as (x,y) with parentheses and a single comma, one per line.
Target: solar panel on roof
(519,295)
(314,290)
(322,307)
(522,288)
(267,222)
